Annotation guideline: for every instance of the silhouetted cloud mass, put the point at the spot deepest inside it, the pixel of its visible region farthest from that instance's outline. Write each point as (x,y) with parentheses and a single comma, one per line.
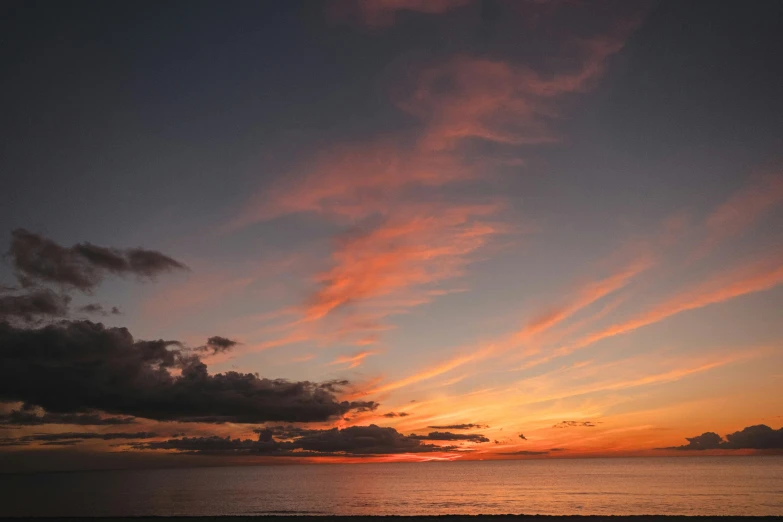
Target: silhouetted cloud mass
(97,309)
(31,418)
(760,436)
(705,441)
(71,438)
(575,424)
(459,427)
(393,414)
(83,266)
(525,452)
(73,366)
(522,436)
(40,303)
(370,439)
(446,435)
(217,344)
(289,432)
(294,441)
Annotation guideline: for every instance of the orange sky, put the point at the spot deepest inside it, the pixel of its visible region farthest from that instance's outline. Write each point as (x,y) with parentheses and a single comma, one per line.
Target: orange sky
(490,236)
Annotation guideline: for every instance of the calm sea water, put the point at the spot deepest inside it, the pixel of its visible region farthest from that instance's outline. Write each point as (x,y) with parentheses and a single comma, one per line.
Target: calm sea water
(683,486)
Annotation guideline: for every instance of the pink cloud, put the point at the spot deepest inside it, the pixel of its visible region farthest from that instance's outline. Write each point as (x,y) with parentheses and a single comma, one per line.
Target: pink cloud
(354,360)
(400,254)
(499,101)
(355,181)
(742,211)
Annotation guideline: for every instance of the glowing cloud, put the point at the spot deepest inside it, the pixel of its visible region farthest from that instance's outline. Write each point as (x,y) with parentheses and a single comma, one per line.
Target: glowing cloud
(353,360)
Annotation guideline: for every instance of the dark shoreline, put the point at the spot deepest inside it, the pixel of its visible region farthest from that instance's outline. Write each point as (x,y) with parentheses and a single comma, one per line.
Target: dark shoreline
(415,518)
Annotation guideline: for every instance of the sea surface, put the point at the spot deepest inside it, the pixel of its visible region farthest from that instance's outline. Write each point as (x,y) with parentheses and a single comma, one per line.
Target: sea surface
(616,486)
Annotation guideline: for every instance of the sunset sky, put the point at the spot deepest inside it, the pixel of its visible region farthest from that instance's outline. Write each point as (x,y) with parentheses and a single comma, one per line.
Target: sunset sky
(502,229)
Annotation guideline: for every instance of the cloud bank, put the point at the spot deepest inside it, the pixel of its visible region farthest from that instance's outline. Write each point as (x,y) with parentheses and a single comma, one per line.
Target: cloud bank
(758,437)
(301,442)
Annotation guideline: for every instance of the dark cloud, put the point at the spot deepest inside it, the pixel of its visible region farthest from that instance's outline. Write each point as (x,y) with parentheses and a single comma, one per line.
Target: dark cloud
(213,445)
(289,432)
(31,418)
(525,452)
(81,266)
(294,441)
(35,305)
(363,440)
(217,344)
(72,366)
(90,435)
(705,441)
(4,443)
(576,424)
(61,443)
(522,436)
(73,438)
(446,435)
(393,414)
(557,449)
(760,436)
(459,427)
(97,309)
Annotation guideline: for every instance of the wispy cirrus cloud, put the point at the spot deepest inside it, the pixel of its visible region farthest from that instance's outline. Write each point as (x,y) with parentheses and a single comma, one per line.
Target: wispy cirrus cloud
(755,276)
(741,211)
(354,181)
(624,374)
(354,360)
(411,222)
(584,297)
(401,254)
(434,371)
(484,98)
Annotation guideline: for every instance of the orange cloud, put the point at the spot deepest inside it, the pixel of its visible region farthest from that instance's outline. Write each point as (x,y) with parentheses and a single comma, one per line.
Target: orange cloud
(420,240)
(742,211)
(434,371)
(400,254)
(586,296)
(553,386)
(755,277)
(354,182)
(353,360)
(496,100)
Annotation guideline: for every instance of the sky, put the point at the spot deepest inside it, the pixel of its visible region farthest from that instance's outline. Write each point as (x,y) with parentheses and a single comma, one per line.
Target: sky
(398,230)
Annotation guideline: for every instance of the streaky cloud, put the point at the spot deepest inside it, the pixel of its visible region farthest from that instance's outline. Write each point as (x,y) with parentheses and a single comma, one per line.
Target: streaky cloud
(83,266)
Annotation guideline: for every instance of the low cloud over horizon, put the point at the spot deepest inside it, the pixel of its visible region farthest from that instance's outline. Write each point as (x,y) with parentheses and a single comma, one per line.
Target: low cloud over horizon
(759,437)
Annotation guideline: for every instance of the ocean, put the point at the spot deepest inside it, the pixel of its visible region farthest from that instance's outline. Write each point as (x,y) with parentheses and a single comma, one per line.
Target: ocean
(616,486)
